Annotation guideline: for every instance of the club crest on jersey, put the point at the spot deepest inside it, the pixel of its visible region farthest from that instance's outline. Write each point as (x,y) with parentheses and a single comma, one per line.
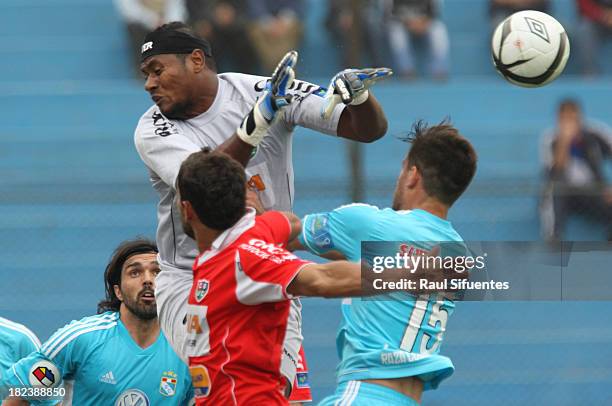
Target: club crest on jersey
(201,290)
(321,234)
(44,373)
(302,380)
(167,385)
(200,381)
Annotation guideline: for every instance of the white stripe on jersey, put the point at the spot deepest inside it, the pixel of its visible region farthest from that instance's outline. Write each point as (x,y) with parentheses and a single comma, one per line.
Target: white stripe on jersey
(77,334)
(17,375)
(65,332)
(355,393)
(75,325)
(346,206)
(22,329)
(229,357)
(69,386)
(350,393)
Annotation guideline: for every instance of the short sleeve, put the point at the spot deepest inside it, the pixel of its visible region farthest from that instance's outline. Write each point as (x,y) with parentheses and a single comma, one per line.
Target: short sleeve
(28,345)
(26,342)
(264,271)
(161,145)
(59,357)
(341,230)
(278,224)
(305,111)
(34,370)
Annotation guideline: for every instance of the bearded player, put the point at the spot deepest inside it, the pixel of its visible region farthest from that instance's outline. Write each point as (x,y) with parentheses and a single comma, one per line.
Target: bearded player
(117,357)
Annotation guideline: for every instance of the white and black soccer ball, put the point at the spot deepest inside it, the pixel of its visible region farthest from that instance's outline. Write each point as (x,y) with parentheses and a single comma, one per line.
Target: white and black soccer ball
(530,48)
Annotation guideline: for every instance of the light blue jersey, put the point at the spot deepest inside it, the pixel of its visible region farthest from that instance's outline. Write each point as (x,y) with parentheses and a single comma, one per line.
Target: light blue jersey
(106,367)
(16,342)
(380,339)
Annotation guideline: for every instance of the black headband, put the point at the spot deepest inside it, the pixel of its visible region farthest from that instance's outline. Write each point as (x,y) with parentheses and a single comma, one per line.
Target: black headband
(172,42)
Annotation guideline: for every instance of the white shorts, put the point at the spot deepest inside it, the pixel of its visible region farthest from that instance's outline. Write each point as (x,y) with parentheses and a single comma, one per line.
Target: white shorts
(172,288)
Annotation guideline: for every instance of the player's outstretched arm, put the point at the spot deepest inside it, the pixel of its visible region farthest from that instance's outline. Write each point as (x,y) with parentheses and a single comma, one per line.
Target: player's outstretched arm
(346,279)
(334,279)
(296,245)
(256,124)
(363,120)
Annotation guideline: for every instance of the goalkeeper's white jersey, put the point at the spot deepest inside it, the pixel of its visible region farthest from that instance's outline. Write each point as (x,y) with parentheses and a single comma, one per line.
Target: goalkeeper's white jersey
(163,144)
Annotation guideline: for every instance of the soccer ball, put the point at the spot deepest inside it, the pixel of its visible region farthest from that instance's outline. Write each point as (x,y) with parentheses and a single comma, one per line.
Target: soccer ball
(530,48)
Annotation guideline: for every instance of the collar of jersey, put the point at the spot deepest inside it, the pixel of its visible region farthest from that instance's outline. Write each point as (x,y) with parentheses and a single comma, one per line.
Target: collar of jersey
(428,215)
(125,334)
(215,107)
(229,236)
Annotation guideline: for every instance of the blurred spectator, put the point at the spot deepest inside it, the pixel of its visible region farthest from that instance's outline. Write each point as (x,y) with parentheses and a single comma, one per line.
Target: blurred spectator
(223,24)
(595,26)
(573,155)
(418,20)
(340,20)
(275,28)
(500,9)
(142,16)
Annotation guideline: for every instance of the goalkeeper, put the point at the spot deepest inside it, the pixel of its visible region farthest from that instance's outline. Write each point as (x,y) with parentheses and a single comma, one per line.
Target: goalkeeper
(251,118)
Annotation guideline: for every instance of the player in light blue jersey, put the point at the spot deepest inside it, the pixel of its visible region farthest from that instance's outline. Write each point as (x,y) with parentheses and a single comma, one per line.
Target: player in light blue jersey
(16,342)
(118,357)
(390,349)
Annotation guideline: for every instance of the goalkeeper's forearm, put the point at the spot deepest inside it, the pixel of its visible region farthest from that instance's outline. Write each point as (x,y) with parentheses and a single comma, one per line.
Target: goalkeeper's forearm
(237,149)
(365,122)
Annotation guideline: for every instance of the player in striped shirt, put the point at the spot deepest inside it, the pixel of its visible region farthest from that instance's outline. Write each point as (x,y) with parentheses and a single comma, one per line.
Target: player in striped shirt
(117,357)
(16,342)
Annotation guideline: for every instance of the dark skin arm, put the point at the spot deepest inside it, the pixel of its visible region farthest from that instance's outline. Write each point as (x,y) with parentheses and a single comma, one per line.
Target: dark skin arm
(237,149)
(364,123)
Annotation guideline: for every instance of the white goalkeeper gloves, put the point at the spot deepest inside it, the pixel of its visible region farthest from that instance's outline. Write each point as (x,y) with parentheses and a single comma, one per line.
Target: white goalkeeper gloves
(255,125)
(350,86)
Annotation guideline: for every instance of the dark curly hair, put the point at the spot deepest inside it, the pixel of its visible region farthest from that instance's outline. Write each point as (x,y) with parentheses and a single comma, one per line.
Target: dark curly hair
(445,159)
(112,274)
(215,185)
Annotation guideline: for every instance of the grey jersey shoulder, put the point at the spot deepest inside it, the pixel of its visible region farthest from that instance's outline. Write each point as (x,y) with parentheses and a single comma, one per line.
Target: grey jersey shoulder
(246,87)
(251,86)
(153,122)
